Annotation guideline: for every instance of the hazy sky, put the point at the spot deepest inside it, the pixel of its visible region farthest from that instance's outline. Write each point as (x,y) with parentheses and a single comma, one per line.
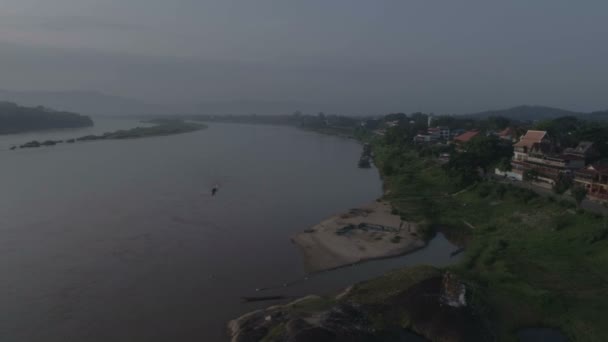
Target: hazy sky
(360,56)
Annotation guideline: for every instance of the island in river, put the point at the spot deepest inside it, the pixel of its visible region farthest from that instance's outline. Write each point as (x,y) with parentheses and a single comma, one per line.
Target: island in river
(18,119)
(161,128)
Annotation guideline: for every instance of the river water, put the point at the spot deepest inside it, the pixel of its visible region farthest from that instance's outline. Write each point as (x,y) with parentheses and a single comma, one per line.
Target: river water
(121,240)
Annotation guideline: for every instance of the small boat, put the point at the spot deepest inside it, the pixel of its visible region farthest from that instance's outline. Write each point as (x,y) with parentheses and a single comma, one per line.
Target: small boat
(262,298)
(364,162)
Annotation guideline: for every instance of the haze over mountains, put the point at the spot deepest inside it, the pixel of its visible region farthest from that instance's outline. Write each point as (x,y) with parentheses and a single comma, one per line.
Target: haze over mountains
(83,102)
(100,104)
(525,112)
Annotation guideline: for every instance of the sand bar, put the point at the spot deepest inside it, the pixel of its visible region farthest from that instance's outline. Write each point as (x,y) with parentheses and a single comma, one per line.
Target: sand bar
(369,232)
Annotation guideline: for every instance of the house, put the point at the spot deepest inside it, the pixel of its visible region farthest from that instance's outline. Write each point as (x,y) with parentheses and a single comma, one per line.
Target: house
(424,138)
(507,134)
(444,158)
(535,151)
(441,132)
(465,137)
(432,134)
(594,178)
(584,149)
(393,123)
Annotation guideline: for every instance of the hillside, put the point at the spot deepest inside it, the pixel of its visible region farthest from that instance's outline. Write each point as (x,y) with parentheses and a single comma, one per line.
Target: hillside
(524,113)
(85,102)
(16,119)
(537,113)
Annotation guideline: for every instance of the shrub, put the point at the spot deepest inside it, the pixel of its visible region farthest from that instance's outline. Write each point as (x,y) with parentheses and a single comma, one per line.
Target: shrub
(484,190)
(501,190)
(566,204)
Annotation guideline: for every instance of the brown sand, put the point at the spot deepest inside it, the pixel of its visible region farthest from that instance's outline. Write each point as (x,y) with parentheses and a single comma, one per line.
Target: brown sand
(324,249)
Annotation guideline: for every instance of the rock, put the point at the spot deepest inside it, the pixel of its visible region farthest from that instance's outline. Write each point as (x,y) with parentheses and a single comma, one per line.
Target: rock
(453,292)
(13,147)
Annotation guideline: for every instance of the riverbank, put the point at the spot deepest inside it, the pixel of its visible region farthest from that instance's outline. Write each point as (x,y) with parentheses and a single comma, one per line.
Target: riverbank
(533,261)
(529,261)
(406,304)
(370,232)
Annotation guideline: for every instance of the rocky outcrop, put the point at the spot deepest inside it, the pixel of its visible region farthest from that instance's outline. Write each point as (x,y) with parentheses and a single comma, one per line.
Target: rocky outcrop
(296,322)
(383,309)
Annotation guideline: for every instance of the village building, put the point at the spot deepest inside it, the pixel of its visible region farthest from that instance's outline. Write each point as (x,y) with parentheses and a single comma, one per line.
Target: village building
(594,178)
(433,134)
(464,138)
(584,149)
(507,134)
(535,151)
(441,132)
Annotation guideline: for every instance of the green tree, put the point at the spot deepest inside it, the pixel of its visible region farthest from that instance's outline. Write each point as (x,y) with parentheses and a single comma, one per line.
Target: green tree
(579,193)
(562,184)
(464,167)
(489,151)
(504,164)
(530,175)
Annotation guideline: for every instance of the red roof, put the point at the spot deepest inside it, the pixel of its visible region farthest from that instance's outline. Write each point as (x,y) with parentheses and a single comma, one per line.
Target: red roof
(601,168)
(531,138)
(466,136)
(506,132)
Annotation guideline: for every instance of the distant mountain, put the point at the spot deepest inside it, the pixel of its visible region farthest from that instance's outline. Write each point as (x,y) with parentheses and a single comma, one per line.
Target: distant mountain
(261,107)
(85,102)
(16,119)
(526,113)
(597,116)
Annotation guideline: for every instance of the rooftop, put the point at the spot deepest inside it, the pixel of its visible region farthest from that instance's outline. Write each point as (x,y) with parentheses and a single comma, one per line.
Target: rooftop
(466,136)
(530,138)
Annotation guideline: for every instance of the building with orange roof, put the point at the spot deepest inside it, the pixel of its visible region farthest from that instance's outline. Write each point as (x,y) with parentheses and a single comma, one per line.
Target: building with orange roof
(535,151)
(466,137)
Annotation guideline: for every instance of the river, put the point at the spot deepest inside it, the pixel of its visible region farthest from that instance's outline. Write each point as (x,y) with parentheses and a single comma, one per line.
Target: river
(121,240)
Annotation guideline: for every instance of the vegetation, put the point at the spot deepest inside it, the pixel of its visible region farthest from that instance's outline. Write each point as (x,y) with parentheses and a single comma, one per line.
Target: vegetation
(579,193)
(531,260)
(16,119)
(163,127)
(562,184)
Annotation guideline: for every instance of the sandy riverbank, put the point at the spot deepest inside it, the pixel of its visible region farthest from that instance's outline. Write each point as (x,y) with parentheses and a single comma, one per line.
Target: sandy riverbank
(369,232)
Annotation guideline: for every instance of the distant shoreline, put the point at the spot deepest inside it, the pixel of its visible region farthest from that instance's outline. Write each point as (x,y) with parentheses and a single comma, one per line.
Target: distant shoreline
(161,128)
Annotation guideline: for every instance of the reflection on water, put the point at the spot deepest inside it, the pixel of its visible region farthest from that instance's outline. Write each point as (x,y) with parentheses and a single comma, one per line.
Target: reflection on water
(436,253)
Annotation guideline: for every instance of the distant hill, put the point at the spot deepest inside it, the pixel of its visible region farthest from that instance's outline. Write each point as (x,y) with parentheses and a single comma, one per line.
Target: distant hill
(597,116)
(85,102)
(16,119)
(524,113)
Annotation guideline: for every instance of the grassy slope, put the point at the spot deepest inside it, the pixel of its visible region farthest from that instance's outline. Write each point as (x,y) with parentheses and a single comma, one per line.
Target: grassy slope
(534,262)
